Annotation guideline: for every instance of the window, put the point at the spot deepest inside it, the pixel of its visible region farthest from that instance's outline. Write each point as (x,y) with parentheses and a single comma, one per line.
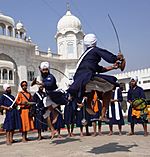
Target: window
(9,31)
(146,81)
(10,75)
(5,74)
(2,29)
(70,48)
(61,48)
(30,75)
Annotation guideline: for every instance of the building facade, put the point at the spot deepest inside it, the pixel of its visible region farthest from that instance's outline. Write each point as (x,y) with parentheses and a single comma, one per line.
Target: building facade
(20,57)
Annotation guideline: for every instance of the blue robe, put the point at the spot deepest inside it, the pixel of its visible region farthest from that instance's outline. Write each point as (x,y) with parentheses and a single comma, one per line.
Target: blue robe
(69,112)
(83,114)
(87,70)
(133,94)
(49,83)
(113,119)
(12,120)
(50,86)
(39,110)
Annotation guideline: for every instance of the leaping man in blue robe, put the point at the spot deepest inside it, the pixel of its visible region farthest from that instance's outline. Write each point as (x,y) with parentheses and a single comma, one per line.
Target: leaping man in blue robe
(88,75)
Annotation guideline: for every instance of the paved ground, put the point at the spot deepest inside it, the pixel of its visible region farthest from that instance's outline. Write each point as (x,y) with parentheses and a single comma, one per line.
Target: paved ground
(87,146)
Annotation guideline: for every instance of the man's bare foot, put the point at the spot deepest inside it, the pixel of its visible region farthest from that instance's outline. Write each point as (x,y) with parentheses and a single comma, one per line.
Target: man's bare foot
(24,140)
(69,135)
(59,136)
(146,134)
(39,138)
(81,134)
(53,134)
(27,139)
(110,133)
(94,134)
(130,134)
(100,134)
(72,135)
(8,143)
(120,133)
(13,141)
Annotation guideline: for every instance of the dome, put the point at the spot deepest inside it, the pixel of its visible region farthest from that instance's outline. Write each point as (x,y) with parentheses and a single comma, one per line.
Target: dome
(6,19)
(19,25)
(68,22)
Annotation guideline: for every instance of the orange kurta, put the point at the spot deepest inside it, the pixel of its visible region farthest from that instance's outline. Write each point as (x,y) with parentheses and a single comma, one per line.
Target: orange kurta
(27,121)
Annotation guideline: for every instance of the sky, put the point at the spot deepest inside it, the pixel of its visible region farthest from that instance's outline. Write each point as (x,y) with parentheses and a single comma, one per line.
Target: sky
(130,17)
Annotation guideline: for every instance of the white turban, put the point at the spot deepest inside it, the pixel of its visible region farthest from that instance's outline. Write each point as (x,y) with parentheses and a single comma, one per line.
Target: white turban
(5,86)
(44,65)
(90,40)
(135,78)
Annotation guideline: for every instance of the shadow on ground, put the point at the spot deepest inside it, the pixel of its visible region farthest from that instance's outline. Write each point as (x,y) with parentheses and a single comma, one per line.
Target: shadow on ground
(111,147)
(66,140)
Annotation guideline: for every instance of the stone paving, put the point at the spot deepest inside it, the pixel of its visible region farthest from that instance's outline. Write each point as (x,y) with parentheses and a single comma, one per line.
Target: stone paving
(87,146)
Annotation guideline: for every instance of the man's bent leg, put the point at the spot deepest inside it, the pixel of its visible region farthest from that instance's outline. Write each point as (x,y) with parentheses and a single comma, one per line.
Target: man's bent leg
(50,125)
(105,102)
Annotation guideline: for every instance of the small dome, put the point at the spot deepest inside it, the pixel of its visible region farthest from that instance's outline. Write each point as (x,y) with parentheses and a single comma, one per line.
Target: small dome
(68,22)
(6,19)
(19,25)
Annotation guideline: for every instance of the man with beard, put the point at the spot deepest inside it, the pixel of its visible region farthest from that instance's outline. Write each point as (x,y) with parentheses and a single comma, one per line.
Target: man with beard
(12,120)
(54,96)
(135,92)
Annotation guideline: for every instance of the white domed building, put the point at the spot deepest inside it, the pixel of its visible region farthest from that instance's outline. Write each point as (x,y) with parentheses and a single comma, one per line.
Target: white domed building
(69,40)
(69,36)
(20,57)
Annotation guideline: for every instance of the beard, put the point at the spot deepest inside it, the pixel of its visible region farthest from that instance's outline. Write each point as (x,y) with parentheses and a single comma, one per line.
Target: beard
(44,75)
(133,85)
(8,92)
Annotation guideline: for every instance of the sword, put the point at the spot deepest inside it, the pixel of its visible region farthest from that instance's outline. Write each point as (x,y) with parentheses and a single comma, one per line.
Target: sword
(115,32)
(122,62)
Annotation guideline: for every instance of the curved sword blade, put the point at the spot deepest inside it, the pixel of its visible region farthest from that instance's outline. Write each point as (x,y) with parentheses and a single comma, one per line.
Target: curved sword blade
(115,32)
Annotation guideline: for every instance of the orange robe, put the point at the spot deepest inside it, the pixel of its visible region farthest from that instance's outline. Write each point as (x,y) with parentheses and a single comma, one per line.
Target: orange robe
(27,121)
(95,101)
